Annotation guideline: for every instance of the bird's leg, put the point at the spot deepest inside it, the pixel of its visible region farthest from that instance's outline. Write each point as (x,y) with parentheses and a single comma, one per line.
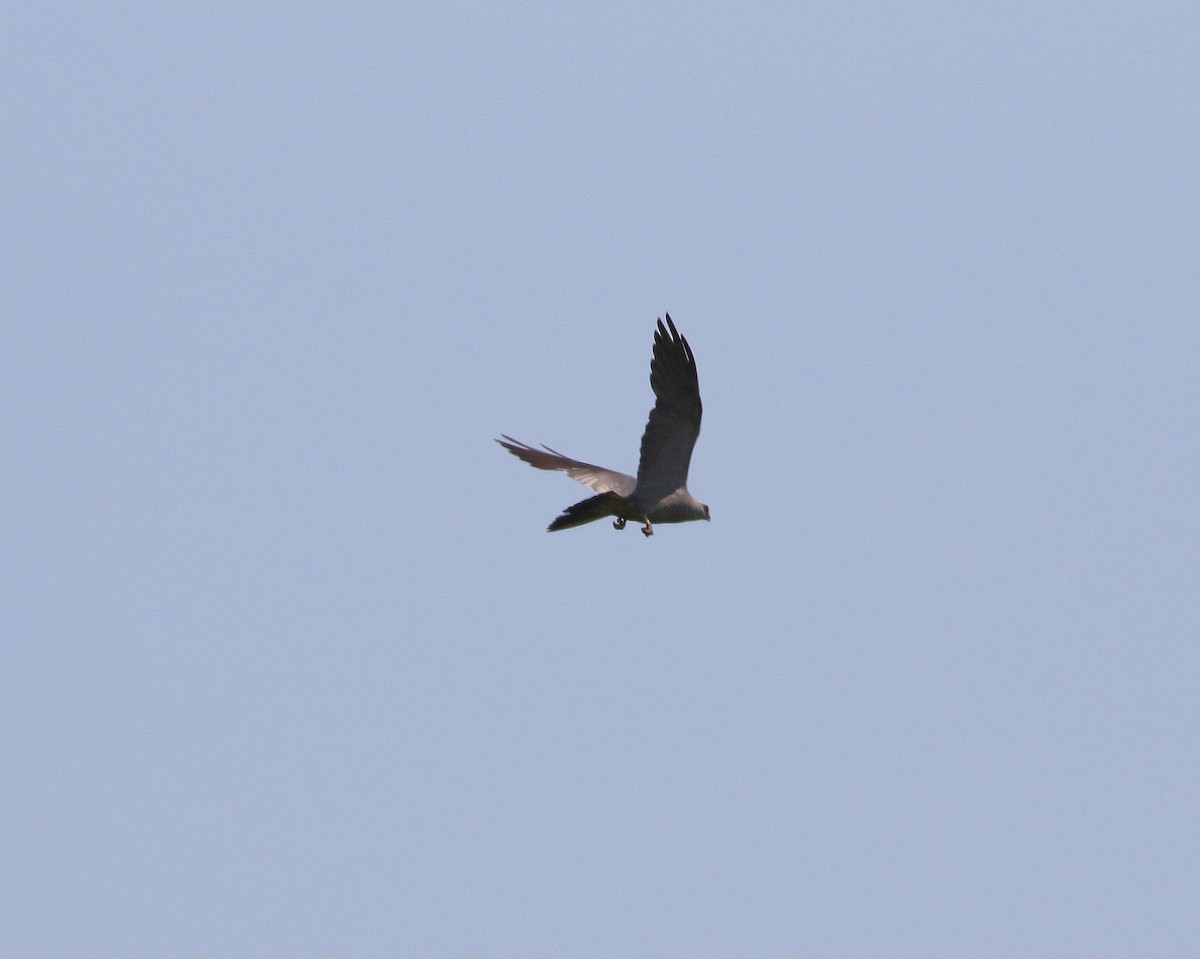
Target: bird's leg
(647,530)
(619,522)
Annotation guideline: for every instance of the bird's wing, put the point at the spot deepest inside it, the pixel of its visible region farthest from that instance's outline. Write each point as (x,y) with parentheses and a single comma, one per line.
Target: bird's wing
(674,422)
(595,477)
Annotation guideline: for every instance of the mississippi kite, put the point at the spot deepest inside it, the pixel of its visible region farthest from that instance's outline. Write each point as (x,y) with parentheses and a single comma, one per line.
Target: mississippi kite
(658,494)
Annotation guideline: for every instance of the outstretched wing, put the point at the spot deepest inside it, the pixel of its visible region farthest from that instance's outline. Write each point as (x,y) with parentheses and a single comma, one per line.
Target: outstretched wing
(675,420)
(595,477)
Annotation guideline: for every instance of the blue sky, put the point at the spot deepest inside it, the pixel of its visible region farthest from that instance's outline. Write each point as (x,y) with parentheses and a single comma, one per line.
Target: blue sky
(291,666)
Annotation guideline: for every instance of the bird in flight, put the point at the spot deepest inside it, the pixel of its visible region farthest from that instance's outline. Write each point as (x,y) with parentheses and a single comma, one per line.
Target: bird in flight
(658,494)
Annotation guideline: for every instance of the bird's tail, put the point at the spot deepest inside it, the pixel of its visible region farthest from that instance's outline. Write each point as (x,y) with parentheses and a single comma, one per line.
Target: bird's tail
(590,510)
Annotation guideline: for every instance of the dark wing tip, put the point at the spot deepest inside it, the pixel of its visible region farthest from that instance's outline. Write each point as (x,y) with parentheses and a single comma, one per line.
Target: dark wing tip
(666,333)
(669,336)
(672,353)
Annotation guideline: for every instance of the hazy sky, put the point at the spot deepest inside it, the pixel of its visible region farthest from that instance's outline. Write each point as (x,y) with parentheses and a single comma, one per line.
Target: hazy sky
(290,666)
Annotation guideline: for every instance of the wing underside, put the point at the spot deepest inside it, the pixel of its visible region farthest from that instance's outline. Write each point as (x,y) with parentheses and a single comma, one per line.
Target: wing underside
(594,477)
(674,423)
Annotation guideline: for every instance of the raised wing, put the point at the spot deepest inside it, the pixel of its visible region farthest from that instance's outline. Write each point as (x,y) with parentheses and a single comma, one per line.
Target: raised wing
(595,477)
(674,422)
